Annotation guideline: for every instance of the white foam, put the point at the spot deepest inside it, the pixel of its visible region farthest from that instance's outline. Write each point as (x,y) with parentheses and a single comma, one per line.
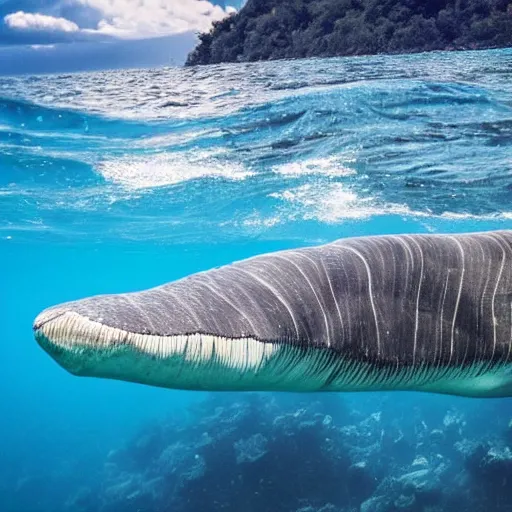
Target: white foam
(168,169)
(326,202)
(331,167)
(258,221)
(334,202)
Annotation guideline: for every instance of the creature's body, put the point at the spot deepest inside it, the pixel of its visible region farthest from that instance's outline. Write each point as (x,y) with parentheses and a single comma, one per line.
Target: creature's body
(417,312)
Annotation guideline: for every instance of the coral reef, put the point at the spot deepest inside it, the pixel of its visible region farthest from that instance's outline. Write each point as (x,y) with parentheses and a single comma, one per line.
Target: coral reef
(294,453)
(284,453)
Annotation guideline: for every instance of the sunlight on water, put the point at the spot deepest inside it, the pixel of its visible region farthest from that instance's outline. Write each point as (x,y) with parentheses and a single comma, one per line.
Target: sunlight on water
(167,169)
(424,135)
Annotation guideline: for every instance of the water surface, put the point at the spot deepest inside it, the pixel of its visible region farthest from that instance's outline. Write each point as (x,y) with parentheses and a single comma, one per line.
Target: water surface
(117,181)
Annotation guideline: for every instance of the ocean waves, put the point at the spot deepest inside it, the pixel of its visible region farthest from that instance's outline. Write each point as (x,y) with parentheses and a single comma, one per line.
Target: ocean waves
(269,149)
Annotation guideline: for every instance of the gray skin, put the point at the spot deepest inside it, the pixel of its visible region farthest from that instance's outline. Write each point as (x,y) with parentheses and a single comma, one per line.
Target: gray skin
(417,312)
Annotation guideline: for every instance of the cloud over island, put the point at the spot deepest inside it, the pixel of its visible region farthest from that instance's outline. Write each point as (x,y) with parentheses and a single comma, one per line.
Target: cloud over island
(56,22)
(34,21)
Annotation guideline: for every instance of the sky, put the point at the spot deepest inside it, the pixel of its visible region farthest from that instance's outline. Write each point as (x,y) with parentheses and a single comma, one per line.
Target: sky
(48,36)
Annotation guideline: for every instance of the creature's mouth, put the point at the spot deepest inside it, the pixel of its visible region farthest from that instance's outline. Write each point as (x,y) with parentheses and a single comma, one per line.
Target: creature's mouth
(70,338)
(198,361)
(72,330)
(45,317)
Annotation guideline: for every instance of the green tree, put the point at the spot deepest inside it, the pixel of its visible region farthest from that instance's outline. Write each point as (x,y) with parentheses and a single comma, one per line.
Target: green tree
(274,29)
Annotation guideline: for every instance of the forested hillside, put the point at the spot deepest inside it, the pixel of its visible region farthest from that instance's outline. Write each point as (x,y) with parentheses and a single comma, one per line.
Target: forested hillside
(276,29)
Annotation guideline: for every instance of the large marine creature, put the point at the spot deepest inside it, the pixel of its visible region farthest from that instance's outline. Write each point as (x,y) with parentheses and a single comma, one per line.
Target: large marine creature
(423,312)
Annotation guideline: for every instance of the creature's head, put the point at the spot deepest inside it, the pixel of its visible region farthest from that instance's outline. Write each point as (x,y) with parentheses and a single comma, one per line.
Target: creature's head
(222,329)
(188,360)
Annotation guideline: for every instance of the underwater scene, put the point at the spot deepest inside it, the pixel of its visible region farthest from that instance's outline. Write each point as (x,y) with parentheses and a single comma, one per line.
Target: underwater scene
(119,181)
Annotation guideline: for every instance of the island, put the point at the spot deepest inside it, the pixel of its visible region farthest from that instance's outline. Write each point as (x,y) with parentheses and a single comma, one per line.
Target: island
(285,29)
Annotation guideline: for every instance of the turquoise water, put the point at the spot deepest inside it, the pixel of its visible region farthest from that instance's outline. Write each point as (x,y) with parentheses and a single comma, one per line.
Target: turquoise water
(118,181)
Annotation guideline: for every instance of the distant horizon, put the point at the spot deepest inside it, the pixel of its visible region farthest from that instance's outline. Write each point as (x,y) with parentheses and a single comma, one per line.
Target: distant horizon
(88,71)
(164,65)
(81,57)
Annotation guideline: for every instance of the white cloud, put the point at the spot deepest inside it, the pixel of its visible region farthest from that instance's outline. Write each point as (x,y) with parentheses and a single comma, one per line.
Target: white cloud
(130,19)
(42,46)
(34,21)
(133,19)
